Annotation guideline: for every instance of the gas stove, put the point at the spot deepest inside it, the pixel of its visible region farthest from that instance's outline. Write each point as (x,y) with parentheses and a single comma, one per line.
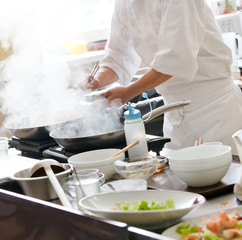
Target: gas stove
(50,149)
(41,149)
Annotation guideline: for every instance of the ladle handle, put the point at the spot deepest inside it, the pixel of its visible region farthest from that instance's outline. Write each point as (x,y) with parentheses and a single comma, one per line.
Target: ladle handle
(55,183)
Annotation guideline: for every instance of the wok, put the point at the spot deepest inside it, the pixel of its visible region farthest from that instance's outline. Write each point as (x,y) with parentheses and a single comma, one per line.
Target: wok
(32,128)
(70,138)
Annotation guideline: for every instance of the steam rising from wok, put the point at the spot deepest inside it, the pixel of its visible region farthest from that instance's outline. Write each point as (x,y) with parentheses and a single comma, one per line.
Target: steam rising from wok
(31,31)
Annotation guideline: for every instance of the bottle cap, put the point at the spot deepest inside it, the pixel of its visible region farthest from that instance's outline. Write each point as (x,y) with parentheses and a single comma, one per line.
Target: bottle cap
(132,113)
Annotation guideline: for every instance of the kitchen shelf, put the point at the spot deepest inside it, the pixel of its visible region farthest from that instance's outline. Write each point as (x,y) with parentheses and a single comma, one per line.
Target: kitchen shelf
(84,58)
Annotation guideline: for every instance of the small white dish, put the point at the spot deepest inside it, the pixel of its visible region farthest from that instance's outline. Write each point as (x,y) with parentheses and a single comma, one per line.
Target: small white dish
(125,185)
(102,204)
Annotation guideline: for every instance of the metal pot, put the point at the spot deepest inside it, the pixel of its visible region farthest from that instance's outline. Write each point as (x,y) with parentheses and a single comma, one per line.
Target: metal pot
(70,139)
(39,187)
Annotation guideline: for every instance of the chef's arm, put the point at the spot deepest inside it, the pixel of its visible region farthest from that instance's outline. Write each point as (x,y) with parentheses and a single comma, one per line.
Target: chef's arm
(149,80)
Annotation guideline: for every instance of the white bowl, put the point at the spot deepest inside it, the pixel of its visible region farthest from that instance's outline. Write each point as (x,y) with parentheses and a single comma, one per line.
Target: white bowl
(201,177)
(99,159)
(141,167)
(202,165)
(102,204)
(38,187)
(125,185)
(198,155)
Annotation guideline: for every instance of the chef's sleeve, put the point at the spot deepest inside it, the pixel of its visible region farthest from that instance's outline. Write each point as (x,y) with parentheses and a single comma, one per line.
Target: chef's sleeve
(180,36)
(120,54)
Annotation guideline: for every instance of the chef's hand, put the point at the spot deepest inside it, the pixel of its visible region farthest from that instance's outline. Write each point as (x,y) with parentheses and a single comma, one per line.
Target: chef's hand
(92,83)
(103,77)
(117,93)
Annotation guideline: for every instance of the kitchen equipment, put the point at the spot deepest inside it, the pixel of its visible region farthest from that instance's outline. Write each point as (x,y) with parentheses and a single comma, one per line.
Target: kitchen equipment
(201,166)
(89,179)
(3,148)
(94,70)
(237,136)
(99,159)
(31,133)
(78,186)
(134,129)
(125,149)
(102,205)
(234,42)
(47,165)
(38,187)
(33,128)
(125,185)
(95,96)
(197,143)
(141,167)
(69,138)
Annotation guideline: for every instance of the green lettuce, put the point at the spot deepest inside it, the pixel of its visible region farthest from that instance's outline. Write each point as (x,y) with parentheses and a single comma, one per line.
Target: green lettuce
(144,205)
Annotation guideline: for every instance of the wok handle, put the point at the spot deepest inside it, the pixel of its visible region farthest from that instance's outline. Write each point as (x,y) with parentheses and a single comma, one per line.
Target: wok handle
(165,108)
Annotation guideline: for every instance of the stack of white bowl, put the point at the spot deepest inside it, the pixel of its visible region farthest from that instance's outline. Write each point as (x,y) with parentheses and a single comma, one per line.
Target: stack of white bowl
(202,165)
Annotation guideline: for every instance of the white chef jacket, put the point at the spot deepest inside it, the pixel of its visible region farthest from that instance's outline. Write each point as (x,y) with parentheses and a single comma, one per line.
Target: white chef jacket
(179,38)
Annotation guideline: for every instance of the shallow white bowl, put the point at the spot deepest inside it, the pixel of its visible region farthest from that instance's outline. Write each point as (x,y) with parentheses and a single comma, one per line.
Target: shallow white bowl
(199,155)
(99,159)
(102,204)
(202,177)
(125,185)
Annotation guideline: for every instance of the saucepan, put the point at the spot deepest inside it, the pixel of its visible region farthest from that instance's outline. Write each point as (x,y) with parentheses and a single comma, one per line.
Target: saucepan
(75,137)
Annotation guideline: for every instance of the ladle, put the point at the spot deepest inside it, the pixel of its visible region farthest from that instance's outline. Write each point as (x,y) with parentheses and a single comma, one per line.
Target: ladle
(47,165)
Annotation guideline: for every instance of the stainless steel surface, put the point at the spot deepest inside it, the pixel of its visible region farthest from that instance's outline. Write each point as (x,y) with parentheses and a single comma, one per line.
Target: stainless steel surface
(38,187)
(165,108)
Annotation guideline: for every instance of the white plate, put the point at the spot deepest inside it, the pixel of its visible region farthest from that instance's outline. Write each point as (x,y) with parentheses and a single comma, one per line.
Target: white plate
(102,203)
(171,232)
(125,185)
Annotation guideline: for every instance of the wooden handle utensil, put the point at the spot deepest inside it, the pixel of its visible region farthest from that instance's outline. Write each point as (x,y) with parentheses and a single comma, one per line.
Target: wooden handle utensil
(125,149)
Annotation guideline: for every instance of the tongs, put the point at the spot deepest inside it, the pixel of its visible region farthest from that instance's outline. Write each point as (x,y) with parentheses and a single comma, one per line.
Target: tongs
(94,71)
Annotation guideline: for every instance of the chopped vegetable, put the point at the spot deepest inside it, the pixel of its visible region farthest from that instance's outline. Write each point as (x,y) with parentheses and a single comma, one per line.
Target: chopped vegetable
(225,226)
(144,205)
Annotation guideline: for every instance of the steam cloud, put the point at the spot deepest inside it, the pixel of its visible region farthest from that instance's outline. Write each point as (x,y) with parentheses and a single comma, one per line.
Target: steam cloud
(33,31)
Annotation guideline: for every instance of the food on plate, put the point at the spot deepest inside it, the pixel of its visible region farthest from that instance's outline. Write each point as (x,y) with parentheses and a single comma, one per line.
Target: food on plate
(222,227)
(144,205)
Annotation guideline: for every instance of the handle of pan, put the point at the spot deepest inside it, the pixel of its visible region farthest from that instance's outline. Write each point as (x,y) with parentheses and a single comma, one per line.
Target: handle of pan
(165,108)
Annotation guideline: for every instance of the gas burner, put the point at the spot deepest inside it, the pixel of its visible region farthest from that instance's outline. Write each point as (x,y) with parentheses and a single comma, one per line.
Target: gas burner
(31,148)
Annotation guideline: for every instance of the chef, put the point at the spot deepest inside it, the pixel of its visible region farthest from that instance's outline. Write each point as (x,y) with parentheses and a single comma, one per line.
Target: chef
(181,43)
